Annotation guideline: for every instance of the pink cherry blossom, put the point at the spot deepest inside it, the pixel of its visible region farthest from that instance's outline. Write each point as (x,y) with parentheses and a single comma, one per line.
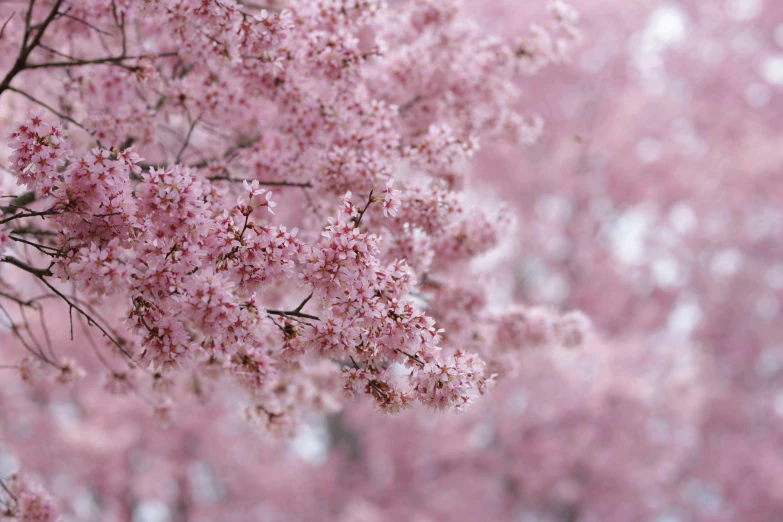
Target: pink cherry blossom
(255,256)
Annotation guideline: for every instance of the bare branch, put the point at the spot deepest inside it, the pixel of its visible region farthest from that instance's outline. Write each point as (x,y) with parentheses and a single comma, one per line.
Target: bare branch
(2,29)
(21,61)
(38,272)
(109,60)
(48,107)
(305,184)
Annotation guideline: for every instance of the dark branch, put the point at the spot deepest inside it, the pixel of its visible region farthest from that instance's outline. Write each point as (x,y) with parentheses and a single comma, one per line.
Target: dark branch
(113,60)
(21,61)
(39,272)
(361,214)
(305,184)
(19,202)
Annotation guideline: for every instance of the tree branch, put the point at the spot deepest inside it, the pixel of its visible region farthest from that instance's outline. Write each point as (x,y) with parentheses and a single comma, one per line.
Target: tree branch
(305,184)
(48,107)
(98,61)
(38,272)
(21,61)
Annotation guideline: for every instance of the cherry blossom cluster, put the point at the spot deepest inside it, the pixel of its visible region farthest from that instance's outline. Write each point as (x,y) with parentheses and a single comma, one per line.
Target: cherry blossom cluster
(370,319)
(551,42)
(195,267)
(677,420)
(186,246)
(190,267)
(25,501)
(39,151)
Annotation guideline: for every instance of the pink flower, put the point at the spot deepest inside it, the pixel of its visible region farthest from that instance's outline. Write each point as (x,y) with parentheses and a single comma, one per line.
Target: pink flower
(254,190)
(29,502)
(69,372)
(5,238)
(253,187)
(391,201)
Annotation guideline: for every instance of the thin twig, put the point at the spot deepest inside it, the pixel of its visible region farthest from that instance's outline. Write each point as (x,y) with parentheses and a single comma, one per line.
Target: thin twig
(2,29)
(66,15)
(29,214)
(361,214)
(21,61)
(76,307)
(304,184)
(49,108)
(112,60)
(292,313)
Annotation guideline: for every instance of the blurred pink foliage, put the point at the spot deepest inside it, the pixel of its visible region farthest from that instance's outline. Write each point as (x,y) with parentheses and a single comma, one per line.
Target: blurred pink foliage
(228,215)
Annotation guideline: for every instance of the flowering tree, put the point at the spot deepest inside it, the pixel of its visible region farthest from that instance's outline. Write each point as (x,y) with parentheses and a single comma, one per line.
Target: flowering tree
(652,203)
(655,208)
(152,286)
(144,255)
